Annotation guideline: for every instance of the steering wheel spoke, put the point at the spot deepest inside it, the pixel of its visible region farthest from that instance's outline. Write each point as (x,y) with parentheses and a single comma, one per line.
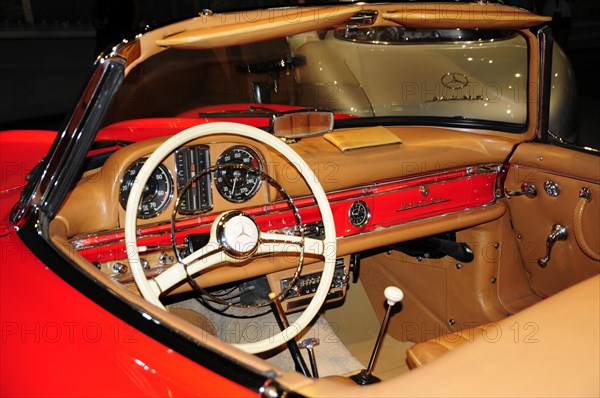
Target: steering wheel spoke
(203,259)
(280,243)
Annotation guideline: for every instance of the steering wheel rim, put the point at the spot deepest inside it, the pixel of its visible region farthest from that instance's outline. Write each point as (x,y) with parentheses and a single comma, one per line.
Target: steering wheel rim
(151,290)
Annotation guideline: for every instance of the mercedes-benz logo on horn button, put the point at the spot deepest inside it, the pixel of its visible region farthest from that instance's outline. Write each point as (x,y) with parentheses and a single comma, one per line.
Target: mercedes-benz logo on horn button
(454,80)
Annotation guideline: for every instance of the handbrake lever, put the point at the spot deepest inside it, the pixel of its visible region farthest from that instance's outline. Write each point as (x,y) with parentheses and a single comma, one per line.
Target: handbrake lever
(292,345)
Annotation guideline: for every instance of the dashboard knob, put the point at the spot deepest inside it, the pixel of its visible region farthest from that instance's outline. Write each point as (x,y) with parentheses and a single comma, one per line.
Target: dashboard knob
(393,294)
(119,268)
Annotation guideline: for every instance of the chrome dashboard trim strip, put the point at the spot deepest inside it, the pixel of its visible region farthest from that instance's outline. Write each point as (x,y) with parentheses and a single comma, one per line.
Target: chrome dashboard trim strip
(412,222)
(369,190)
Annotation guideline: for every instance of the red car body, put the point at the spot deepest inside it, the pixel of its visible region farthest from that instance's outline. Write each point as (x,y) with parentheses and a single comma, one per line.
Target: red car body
(86,342)
(65,333)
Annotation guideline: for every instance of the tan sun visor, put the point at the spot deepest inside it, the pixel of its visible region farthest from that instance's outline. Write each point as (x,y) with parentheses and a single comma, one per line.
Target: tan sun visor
(463,16)
(235,29)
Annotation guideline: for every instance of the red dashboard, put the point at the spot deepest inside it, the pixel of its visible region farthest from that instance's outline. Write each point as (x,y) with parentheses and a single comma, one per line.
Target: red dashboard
(358,210)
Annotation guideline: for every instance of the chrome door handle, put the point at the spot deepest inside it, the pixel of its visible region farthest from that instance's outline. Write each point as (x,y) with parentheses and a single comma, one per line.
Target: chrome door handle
(526,189)
(557,233)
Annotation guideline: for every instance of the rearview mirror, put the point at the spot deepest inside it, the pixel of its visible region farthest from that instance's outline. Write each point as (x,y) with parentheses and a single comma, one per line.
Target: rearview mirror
(304,123)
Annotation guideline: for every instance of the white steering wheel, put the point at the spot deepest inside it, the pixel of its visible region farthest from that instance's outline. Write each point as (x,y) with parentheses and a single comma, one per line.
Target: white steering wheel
(226,244)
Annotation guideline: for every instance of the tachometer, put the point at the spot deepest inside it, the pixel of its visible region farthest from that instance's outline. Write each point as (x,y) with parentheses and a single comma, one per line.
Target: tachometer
(234,178)
(157,192)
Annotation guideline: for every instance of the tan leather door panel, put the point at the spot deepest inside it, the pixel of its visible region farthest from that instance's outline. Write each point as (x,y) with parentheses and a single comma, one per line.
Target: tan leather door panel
(533,218)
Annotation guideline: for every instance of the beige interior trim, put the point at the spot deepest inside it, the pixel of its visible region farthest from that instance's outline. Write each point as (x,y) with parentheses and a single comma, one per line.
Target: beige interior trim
(241,28)
(430,350)
(439,290)
(268,24)
(533,218)
(373,137)
(465,16)
(533,108)
(557,160)
(525,364)
(578,230)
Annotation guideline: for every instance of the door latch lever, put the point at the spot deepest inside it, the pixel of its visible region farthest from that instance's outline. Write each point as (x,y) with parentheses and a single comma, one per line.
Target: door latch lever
(557,233)
(527,189)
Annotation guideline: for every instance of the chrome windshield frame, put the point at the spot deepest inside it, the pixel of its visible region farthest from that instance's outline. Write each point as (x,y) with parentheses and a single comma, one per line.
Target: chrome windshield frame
(546,41)
(51,180)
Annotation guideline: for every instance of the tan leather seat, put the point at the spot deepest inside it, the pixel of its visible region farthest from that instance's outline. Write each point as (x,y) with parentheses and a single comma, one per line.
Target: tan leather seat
(427,351)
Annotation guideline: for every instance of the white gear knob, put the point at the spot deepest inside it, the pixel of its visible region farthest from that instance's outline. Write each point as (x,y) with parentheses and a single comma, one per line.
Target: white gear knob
(393,294)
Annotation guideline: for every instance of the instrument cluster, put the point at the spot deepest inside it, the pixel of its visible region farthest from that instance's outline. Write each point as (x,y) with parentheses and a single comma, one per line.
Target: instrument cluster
(236,175)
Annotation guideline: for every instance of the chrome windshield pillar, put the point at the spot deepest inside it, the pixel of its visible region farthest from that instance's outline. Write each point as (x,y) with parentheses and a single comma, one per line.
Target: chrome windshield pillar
(50,183)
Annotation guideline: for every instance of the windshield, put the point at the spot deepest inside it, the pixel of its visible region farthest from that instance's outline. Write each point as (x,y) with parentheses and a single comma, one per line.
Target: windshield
(420,74)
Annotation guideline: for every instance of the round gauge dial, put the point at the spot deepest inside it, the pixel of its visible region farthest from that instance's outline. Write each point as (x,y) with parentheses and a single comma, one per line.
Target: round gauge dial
(234,177)
(359,214)
(157,192)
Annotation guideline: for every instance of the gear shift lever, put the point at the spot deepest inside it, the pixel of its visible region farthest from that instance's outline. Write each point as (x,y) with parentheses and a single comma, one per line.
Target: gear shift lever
(393,295)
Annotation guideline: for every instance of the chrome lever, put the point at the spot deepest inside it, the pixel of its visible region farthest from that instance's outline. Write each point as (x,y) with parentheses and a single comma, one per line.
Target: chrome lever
(557,233)
(526,189)
(310,344)
(393,295)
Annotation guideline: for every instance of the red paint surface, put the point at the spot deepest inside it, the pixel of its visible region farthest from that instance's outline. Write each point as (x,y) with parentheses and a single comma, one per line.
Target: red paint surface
(391,204)
(57,342)
(20,152)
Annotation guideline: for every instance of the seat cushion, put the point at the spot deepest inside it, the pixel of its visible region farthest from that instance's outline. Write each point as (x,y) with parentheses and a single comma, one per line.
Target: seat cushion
(427,351)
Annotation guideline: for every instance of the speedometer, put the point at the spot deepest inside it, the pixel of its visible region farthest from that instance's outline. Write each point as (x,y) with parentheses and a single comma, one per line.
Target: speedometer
(157,192)
(236,176)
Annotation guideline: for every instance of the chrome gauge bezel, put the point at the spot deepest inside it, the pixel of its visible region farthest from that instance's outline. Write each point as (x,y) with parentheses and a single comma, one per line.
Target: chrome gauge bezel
(128,181)
(221,163)
(187,160)
(365,214)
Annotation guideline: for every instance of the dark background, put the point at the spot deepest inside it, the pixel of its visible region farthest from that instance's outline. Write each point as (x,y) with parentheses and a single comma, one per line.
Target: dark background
(47,49)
